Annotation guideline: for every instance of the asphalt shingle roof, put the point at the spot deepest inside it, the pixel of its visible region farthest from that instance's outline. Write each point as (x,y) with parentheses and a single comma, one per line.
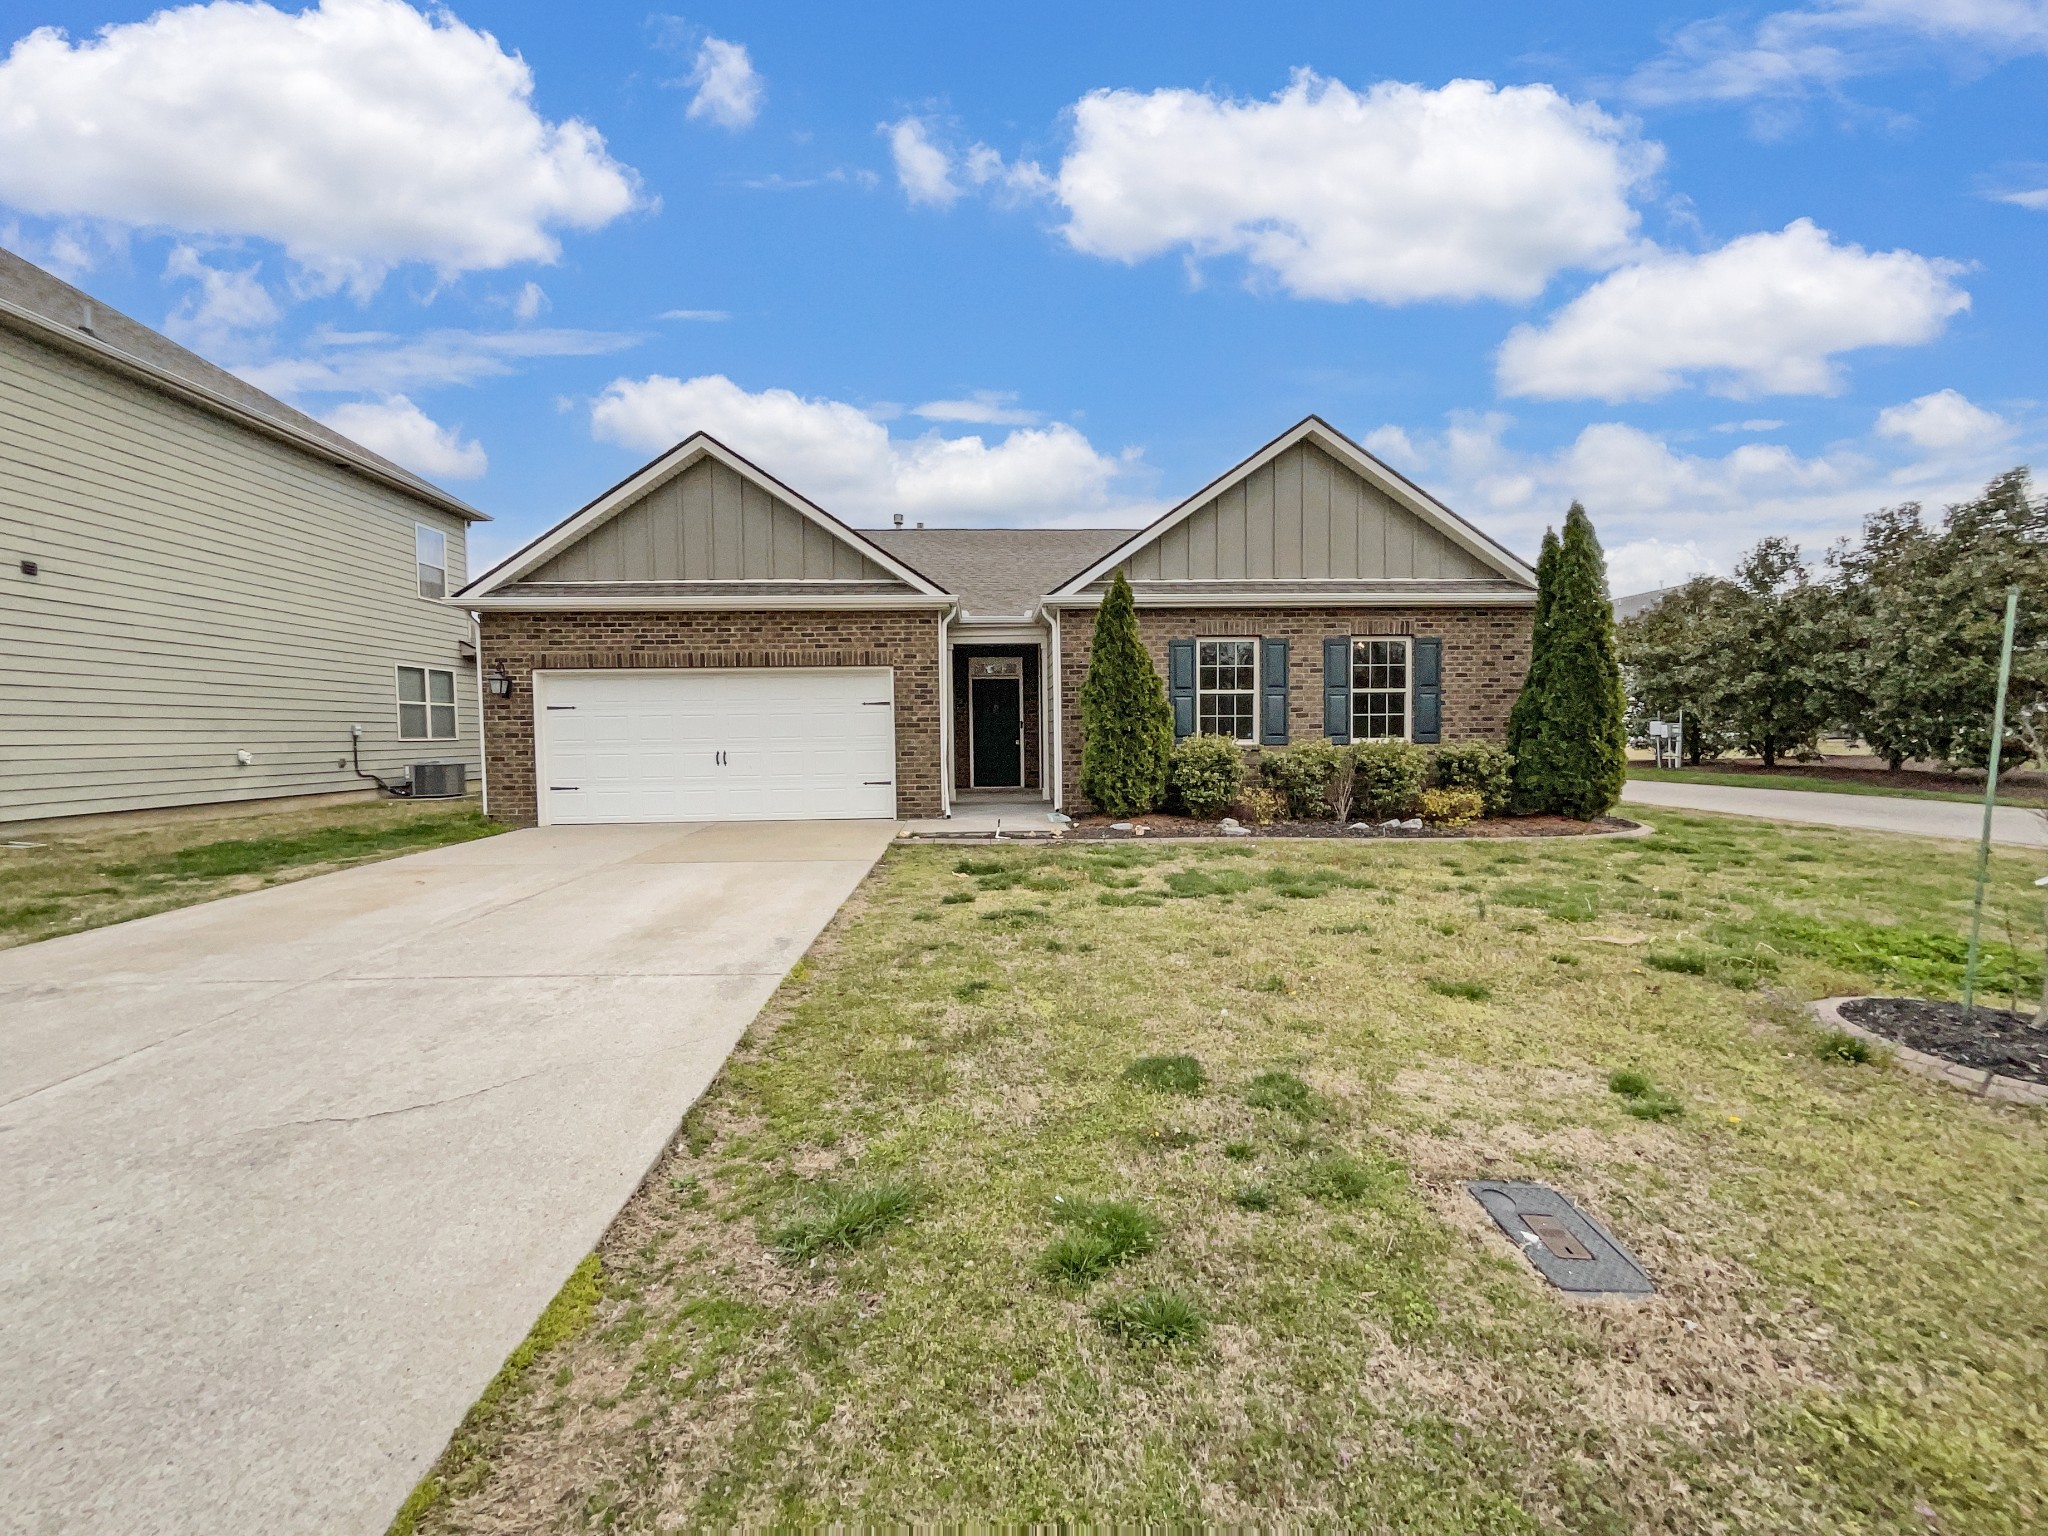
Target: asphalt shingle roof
(998,572)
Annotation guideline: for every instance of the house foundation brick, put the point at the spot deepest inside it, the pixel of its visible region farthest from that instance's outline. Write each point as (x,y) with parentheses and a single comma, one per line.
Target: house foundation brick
(1485,654)
(906,641)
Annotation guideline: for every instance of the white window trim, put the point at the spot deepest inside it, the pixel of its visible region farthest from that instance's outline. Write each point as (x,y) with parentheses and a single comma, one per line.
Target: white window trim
(399,701)
(418,564)
(1407,644)
(1252,640)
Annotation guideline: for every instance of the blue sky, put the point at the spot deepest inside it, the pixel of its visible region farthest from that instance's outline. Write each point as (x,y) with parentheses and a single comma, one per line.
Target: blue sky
(1718,273)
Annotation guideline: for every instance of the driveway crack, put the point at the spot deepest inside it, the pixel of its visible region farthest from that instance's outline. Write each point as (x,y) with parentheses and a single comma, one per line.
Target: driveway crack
(403,1109)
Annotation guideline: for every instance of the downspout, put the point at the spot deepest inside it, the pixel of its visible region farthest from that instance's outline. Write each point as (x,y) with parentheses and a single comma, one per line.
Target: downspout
(945,718)
(1059,695)
(483,753)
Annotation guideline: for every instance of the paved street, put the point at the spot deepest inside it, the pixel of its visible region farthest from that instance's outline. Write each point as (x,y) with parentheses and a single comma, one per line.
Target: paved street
(1869,813)
(288,1175)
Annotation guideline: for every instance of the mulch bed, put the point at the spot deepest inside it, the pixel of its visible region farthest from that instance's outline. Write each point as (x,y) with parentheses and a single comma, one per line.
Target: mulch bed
(1099,828)
(1990,1040)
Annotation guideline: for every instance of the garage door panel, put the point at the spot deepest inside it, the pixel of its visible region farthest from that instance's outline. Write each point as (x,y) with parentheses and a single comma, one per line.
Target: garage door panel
(646,746)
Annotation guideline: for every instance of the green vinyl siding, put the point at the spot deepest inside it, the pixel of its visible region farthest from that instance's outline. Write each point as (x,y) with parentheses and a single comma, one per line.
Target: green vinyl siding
(204,589)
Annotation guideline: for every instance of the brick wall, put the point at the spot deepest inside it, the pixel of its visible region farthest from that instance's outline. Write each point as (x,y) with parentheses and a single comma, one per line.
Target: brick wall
(905,640)
(1486,651)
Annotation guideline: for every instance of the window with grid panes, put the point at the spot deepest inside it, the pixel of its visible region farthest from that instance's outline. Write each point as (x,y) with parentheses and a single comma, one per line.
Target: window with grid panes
(1379,689)
(1227,688)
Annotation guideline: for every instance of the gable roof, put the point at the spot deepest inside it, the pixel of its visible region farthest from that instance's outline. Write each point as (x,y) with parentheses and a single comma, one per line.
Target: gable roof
(651,477)
(46,307)
(1313,430)
(999,572)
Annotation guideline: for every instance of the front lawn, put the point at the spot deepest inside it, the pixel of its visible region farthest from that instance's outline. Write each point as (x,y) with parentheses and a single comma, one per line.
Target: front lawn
(60,881)
(1124,1183)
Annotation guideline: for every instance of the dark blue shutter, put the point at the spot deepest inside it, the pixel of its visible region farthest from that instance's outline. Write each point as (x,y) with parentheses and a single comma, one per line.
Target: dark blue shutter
(1429,690)
(1180,685)
(1337,688)
(1273,693)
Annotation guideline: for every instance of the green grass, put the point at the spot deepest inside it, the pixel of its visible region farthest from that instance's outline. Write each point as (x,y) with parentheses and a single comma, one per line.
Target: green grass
(1470,991)
(1840,1045)
(1861,1254)
(1159,1319)
(1643,1098)
(1167,1074)
(109,873)
(845,1216)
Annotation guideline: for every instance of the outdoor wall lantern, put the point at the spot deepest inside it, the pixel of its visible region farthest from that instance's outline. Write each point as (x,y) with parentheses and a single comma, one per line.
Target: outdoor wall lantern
(500,680)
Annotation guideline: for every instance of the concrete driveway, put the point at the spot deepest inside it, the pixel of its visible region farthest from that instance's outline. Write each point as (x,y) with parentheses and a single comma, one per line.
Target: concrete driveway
(1953,819)
(285,1177)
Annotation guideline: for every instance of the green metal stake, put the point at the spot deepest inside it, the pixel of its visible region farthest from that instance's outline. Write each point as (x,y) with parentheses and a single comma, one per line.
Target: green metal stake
(2012,611)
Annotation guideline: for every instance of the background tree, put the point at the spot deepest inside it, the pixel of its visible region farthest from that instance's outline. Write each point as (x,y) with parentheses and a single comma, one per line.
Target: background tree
(1572,762)
(1126,721)
(1672,661)
(1768,622)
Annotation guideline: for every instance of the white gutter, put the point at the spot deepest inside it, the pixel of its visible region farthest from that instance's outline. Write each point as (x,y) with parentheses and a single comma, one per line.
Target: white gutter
(483,750)
(736,603)
(1419,599)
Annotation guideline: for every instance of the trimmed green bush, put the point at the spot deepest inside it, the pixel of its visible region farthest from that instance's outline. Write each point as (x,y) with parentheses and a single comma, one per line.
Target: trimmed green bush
(1126,721)
(1449,807)
(1568,730)
(1479,766)
(1204,774)
(1389,777)
(1302,775)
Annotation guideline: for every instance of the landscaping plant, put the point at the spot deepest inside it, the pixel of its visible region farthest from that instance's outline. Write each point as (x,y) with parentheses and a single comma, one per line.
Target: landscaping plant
(1479,766)
(1388,777)
(1261,806)
(1450,807)
(1204,775)
(1570,755)
(1301,774)
(1126,721)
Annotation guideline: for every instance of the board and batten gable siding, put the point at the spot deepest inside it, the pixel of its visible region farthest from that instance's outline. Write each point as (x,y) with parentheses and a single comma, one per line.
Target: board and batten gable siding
(203,590)
(1304,516)
(709,523)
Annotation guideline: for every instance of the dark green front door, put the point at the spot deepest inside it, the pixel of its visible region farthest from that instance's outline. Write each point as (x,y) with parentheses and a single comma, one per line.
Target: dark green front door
(996,707)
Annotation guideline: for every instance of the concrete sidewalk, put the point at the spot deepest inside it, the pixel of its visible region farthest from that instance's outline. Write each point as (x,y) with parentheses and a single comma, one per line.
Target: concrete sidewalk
(288,1175)
(1952,819)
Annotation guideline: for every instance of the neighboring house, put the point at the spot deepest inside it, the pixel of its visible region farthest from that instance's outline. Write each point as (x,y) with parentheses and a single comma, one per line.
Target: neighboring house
(1639,602)
(203,591)
(701,642)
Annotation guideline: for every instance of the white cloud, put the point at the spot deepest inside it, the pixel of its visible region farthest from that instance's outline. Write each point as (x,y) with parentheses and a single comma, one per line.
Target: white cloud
(984,407)
(696,314)
(1754,424)
(2033,198)
(922,168)
(225,303)
(848,462)
(376,362)
(1788,52)
(359,134)
(530,303)
(1764,314)
(405,434)
(1944,422)
(1650,498)
(729,91)
(1648,565)
(1394,194)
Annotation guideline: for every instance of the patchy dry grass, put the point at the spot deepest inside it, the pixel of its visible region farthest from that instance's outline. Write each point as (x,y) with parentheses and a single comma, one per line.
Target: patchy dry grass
(1307,1320)
(91,876)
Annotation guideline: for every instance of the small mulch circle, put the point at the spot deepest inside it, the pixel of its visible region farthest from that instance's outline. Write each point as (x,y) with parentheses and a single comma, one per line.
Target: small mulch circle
(1102,828)
(1989,1040)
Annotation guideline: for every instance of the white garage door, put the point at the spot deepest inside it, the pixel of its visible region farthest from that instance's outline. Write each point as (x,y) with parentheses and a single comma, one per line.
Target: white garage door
(775,744)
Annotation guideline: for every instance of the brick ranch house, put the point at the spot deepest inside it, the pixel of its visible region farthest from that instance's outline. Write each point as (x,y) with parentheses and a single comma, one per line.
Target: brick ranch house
(703,643)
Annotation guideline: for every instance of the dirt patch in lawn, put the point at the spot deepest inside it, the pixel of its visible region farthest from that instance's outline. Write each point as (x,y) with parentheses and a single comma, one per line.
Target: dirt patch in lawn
(1109,828)
(1987,1038)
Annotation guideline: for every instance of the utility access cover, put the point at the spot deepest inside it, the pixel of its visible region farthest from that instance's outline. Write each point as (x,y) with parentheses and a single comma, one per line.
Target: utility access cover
(1569,1248)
